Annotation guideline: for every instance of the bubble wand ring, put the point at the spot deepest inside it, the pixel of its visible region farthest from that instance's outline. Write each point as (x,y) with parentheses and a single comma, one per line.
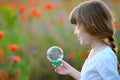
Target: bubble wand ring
(55,55)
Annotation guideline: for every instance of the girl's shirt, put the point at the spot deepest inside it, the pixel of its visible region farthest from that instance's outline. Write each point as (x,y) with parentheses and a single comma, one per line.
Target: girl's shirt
(102,66)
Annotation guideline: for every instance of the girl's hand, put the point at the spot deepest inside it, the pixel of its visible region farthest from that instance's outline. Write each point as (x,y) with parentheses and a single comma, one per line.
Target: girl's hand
(66,69)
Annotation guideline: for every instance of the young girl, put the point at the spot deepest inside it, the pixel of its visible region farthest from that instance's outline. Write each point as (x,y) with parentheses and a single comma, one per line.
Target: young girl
(94,28)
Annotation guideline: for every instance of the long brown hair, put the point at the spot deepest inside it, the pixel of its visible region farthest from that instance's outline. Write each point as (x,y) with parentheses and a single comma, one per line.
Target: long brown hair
(98,21)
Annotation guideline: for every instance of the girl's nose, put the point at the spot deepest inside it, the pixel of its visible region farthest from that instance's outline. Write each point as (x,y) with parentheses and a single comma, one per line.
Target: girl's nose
(75,31)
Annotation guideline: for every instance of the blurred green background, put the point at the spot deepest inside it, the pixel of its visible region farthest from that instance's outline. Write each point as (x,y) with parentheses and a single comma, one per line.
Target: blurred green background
(28,28)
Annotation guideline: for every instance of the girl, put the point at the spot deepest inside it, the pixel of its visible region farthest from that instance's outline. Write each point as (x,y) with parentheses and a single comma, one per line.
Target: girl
(94,28)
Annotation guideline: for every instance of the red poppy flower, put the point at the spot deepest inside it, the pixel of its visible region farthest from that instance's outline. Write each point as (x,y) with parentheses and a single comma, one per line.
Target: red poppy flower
(31,3)
(23,17)
(116,25)
(1,34)
(36,13)
(48,6)
(71,56)
(13,6)
(70,1)
(1,59)
(16,59)
(16,72)
(4,75)
(14,78)
(1,52)
(13,47)
(22,9)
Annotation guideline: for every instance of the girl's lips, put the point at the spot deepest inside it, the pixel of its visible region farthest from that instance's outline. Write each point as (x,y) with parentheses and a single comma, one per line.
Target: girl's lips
(78,37)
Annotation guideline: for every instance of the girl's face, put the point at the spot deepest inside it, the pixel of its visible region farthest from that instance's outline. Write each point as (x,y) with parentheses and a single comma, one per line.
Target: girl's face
(84,37)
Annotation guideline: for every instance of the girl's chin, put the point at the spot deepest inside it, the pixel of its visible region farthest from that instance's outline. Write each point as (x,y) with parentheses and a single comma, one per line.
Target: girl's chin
(84,44)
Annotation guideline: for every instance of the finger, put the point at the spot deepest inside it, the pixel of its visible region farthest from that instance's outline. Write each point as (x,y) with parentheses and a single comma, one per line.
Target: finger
(54,65)
(61,64)
(56,69)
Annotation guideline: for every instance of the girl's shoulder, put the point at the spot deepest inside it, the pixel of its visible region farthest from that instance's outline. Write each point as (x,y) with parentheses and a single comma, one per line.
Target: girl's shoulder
(106,54)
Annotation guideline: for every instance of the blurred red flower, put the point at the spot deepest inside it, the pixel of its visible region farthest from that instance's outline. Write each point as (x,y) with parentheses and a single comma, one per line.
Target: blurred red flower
(13,47)
(22,9)
(116,25)
(48,6)
(1,34)
(13,6)
(36,13)
(16,72)
(31,3)
(16,59)
(23,17)
(71,56)
(1,52)
(70,1)
(1,59)
(14,78)
(4,75)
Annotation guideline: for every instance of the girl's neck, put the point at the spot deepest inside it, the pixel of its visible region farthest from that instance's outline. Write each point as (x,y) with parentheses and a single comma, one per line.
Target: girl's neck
(97,45)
